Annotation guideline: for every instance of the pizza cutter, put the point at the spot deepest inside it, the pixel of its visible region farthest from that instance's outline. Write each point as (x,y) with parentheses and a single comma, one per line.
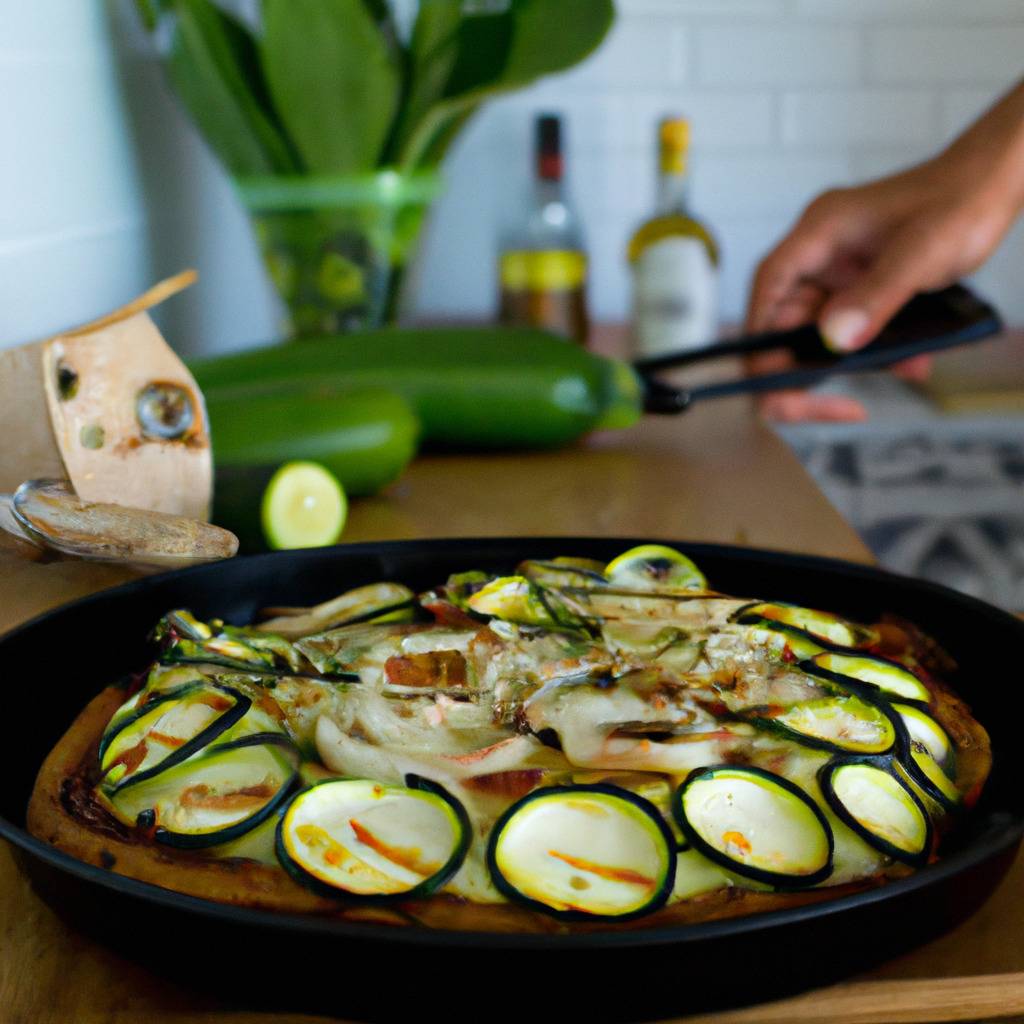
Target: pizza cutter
(930,322)
(44,519)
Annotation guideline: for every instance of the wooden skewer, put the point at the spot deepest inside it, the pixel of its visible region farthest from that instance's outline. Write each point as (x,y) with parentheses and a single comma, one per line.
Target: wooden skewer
(910,1001)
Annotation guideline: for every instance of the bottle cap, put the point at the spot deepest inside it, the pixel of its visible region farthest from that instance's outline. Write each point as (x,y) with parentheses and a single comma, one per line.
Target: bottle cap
(674,140)
(549,147)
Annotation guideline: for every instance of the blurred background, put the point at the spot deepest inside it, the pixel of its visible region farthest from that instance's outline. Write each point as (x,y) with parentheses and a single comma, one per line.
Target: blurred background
(105,186)
(785,98)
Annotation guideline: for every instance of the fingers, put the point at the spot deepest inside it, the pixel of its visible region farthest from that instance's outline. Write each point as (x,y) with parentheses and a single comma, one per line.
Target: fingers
(916,369)
(801,306)
(855,314)
(781,282)
(794,406)
(800,406)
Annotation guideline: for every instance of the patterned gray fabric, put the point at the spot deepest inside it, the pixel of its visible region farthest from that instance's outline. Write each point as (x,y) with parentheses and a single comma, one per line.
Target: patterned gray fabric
(946,508)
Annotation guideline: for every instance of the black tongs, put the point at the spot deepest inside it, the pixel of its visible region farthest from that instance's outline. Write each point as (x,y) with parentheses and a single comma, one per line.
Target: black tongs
(929,322)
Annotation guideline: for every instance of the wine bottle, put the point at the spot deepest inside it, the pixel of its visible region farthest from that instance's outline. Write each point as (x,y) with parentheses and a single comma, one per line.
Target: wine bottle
(543,269)
(674,259)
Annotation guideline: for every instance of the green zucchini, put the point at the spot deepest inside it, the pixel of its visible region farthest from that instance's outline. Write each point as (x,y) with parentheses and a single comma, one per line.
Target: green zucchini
(470,387)
(928,776)
(756,823)
(869,672)
(579,852)
(925,730)
(654,567)
(364,437)
(516,599)
(357,837)
(879,807)
(165,731)
(214,796)
(375,602)
(808,624)
(840,723)
(564,572)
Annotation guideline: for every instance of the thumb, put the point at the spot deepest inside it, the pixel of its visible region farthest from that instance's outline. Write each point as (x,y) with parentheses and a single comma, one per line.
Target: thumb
(853,316)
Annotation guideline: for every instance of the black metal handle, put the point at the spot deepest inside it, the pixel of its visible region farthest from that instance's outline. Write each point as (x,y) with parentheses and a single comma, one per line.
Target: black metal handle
(928,323)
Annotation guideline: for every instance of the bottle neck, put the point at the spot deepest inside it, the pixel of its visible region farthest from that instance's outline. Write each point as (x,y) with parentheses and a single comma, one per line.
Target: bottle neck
(548,190)
(673,192)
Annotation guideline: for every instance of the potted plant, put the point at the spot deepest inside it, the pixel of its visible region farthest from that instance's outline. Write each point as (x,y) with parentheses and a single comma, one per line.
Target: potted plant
(333,127)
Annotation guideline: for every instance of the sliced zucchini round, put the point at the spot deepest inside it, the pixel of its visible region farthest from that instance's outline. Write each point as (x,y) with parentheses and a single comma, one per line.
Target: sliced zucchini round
(183,622)
(141,703)
(376,602)
(654,567)
(517,599)
(357,837)
(924,770)
(922,728)
(880,674)
(166,730)
(936,810)
(646,639)
(757,824)
(657,790)
(797,645)
(220,650)
(811,623)
(580,852)
(214,797)
(840,723)
(879,807)
(564,572)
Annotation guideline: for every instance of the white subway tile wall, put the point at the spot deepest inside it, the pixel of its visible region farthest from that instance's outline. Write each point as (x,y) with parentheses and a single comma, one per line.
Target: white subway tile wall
(103,185)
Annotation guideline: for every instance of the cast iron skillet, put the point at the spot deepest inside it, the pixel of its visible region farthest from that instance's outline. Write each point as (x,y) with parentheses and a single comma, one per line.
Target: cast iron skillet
(54,664)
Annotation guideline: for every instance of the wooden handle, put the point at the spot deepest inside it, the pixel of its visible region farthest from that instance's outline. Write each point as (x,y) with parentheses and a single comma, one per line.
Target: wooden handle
(910,1001)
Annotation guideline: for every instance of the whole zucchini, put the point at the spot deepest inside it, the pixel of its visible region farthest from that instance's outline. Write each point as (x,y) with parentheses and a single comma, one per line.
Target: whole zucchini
(364,437)
(470,387)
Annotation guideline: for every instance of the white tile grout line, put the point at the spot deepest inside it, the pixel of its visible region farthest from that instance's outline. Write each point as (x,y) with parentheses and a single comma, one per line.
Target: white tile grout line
(74,235)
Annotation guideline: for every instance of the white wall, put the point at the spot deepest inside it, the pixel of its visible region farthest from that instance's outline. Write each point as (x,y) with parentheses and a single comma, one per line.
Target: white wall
(103,185)
(72,229)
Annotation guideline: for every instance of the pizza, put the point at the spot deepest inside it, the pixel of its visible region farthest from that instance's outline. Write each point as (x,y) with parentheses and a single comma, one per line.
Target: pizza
(572,746)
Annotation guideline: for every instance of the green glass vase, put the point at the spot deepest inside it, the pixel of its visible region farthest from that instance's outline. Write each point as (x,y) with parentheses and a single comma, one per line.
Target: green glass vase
(337,249)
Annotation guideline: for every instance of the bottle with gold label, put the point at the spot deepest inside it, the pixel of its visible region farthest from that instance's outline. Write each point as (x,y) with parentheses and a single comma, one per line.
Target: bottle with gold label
(544,270)
(674,260)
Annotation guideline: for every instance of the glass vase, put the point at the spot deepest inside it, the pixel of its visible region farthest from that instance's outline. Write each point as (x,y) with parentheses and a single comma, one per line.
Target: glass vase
(337,248)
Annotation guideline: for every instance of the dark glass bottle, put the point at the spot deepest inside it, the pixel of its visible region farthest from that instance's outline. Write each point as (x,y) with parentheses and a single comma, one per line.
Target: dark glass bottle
(543,267)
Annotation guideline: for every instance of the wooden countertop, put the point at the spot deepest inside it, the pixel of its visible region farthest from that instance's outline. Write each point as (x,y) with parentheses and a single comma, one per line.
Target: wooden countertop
(714,474)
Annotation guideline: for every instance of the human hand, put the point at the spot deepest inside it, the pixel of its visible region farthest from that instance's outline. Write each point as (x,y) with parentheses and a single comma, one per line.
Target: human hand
(856,255)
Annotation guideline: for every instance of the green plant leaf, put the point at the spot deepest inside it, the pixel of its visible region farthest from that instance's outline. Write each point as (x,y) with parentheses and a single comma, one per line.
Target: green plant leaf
(553,37)
(335,78)
(501,48)
(214,66)
(446,134)
(149,12)
(432,52)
